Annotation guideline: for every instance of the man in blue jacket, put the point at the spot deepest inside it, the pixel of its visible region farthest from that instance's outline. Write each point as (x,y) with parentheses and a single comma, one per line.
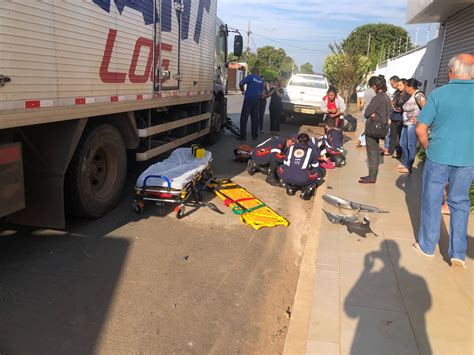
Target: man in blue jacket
(253,93)
(446,130)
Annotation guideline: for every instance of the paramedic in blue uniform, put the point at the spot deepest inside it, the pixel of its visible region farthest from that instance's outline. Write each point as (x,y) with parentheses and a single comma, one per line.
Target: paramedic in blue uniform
(253,94)
(268,156)
(301,168)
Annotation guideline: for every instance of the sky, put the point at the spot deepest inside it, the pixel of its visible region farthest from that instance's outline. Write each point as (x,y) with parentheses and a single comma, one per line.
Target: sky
(304,28)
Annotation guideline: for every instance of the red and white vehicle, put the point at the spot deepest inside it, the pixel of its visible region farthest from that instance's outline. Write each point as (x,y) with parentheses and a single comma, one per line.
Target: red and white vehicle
(82,82)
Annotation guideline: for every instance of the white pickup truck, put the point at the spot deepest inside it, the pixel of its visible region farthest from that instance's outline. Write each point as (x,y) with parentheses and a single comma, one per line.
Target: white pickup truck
(304,94)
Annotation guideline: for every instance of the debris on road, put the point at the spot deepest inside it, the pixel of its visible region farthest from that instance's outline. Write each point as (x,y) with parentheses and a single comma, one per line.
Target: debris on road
(349,205)
(353,224)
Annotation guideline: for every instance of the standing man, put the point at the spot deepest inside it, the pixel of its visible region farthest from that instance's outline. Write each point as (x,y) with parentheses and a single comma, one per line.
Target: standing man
(446,129)
(250,107)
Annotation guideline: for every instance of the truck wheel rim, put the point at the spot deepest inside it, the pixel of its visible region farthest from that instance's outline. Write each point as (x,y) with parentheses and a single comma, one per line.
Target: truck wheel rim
(100,170)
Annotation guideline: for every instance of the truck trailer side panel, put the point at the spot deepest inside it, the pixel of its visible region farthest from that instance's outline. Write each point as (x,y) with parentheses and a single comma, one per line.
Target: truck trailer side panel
(73,53)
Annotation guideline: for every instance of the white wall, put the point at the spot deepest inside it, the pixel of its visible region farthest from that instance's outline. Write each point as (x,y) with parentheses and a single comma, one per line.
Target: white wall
(421,64)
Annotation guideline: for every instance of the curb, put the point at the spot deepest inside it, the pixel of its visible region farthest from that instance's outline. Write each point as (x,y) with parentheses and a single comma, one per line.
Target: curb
(297,336)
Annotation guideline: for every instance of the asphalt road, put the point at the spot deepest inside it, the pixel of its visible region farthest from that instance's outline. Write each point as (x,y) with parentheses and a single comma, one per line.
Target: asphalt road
(152,283)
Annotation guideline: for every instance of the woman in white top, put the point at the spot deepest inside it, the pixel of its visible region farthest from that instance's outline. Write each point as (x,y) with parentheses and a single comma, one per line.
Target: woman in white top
(411,110)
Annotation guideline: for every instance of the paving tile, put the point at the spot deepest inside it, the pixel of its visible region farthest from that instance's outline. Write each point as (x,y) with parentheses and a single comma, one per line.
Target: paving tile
(370,281)
(441,314)
(369,331)
(324,323)
(316,347)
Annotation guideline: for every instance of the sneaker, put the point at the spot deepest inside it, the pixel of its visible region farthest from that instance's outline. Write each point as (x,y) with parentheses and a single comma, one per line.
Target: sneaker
(307,192)
(417,247)
(290,190)
(458,263)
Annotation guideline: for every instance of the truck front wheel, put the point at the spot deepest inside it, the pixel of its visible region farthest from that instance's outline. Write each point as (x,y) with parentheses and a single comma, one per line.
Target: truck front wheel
(97,172)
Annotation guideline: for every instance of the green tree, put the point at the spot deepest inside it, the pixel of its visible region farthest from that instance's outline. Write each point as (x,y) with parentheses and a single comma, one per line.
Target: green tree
(345,69)
(231,57)
(382,37)
(306,68)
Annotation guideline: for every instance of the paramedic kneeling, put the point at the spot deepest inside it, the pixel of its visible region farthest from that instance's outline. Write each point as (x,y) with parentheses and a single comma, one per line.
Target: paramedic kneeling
(301,169)
(267,156)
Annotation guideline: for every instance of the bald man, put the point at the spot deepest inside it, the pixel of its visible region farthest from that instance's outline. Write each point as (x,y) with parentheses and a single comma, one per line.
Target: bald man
(446,130)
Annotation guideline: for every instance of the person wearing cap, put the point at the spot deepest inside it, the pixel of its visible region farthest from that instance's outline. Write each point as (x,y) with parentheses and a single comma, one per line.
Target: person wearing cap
(267,156)
(301,169)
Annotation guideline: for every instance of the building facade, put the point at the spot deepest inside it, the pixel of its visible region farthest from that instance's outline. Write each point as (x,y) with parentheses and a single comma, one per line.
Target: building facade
(456,19)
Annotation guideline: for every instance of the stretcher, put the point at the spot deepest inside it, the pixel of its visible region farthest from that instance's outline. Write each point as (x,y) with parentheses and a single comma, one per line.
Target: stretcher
(177,180)
(251,210)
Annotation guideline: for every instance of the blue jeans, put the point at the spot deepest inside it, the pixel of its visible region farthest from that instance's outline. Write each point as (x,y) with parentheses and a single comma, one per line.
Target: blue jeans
(408,145)
(386,142)
(435,178)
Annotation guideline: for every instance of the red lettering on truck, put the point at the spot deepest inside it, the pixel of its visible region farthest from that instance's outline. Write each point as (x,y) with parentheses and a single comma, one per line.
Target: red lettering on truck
(137,78)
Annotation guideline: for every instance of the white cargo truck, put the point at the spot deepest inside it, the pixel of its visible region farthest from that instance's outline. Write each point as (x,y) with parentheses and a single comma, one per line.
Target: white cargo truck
(84,83)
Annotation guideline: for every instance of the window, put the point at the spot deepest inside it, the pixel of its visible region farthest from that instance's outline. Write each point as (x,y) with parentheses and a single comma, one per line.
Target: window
(308,82)
(222,46)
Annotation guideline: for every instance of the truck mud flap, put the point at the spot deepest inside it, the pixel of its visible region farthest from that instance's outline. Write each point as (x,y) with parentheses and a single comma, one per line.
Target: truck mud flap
(12,190)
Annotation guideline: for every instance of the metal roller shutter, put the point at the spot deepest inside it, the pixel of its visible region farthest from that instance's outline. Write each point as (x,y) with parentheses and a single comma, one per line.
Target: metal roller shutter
(459,39)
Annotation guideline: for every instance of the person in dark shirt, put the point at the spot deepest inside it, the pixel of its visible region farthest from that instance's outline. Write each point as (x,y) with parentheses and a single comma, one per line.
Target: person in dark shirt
(400,97)
(331,145)
(250,106)
(301,169)
(378,110)
(267,156)
(262,106)
(276,106)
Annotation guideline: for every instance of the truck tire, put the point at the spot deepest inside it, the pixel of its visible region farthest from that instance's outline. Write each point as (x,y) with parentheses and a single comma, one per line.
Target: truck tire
(96,175)
(217,120)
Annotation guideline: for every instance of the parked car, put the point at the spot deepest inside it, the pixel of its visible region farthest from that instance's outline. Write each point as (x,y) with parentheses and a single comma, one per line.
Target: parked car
(304,94)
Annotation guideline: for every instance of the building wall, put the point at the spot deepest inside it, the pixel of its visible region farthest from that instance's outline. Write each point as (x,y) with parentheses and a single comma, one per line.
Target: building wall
(421,64)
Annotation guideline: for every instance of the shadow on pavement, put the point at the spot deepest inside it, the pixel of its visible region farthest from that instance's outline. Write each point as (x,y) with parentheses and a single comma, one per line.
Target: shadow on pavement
(385,333)
(56,290)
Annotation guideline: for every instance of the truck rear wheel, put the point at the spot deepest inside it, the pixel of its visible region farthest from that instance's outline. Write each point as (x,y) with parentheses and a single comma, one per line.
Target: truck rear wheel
(217,119)
(97,172)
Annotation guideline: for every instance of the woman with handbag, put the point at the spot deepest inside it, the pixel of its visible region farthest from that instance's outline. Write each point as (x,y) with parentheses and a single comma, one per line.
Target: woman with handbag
(411,110)
(376,128)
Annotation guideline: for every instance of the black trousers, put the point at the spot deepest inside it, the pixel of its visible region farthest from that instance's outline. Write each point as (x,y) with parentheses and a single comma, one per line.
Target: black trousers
(262,105)
(275,117)
(395,133)
(250,107)
(373,156)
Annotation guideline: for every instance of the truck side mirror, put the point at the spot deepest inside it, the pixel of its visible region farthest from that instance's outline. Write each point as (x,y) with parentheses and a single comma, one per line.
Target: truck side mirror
(238,45)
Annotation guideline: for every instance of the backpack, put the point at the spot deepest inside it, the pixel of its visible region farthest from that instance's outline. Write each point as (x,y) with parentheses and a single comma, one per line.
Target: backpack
(350,124)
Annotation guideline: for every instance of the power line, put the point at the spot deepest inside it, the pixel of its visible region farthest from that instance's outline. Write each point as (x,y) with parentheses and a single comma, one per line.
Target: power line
(290,45)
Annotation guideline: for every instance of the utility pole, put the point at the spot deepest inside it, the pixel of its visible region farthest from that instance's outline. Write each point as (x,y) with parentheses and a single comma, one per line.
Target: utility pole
(429,33)
(416,38)
(248,45)
(408,40)
(400,47)
(368,46)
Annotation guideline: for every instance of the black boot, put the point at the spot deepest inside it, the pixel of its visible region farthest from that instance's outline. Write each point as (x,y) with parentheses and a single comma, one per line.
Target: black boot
(252,168)
(290,190)
(308,192)
(272,180)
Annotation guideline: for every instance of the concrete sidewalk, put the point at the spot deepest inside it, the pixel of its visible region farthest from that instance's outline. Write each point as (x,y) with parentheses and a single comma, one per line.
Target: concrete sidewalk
(377,295)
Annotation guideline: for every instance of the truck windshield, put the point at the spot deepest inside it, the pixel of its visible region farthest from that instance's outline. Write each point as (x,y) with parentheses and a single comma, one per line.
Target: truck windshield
(308,82)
